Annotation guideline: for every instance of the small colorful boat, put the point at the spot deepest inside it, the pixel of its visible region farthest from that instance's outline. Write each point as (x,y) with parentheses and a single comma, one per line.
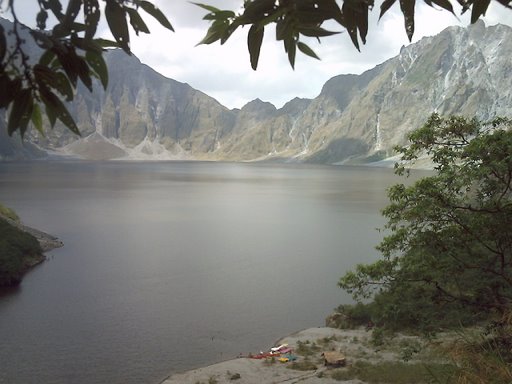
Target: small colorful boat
(287,358)
(264,355)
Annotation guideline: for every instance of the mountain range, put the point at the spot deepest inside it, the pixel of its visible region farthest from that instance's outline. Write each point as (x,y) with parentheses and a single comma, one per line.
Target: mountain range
(355,118)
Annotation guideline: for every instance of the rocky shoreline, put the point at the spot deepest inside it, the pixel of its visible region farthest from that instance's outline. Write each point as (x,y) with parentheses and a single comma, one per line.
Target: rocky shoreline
(308,346)
(46,241)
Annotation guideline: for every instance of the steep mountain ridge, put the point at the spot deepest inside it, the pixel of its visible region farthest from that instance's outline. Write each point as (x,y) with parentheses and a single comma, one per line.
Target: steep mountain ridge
(355,118)
(460,71)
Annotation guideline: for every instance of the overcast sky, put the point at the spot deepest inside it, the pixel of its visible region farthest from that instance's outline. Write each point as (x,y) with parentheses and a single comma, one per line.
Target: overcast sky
(224,71)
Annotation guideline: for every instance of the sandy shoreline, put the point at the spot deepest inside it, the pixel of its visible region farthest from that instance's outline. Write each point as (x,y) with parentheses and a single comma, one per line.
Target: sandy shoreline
(252,371)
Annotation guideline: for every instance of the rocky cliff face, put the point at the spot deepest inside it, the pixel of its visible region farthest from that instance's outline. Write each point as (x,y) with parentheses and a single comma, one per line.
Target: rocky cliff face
(143,115)
(459,71)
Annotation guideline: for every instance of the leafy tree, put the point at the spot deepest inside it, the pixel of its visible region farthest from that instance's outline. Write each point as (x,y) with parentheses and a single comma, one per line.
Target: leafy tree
(71,51)
(450,234)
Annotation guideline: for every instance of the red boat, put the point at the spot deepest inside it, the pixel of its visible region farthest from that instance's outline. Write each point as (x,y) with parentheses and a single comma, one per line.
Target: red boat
(264,355)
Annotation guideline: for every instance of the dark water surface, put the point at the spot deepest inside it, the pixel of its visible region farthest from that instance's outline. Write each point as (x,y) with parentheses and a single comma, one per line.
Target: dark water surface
(173,265)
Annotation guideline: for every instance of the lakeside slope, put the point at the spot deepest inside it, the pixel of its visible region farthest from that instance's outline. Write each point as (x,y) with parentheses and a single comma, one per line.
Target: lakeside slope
(21,248)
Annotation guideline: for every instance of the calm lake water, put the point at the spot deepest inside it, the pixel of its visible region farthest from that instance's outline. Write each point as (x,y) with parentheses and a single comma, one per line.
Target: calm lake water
(173,265)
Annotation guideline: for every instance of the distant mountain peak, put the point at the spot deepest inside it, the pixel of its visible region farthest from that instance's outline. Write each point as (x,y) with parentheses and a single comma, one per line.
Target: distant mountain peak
(355,118)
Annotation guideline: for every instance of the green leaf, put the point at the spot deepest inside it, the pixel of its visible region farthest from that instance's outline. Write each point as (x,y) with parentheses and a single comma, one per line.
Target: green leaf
(42,39)
(45,77)
(27,114)
(214,33)
(60,31)
(67,21)
(255,11)
(37,119)
(445,4)
(116,20)
(329,9)
(5,97)
(68,62)
(356,18)
(77,27)
(479,9)
(290,48)
(20,109)
(10,89)
(351,23)
(56,7)
(228,31)
(384,7)
(315,31)
(63,85)
(407,7)
(272,17)
(254,40)
(156,13)
(56,109)
(284,29)
(362,21)
(306,50)
(83,72)
(3,44)
(220,15)
(86,44)
(105,43)
(47,57)
(207,7)
(97,63)
(136,21)
(91,17)
(72,10)
(41,18)
(51,115)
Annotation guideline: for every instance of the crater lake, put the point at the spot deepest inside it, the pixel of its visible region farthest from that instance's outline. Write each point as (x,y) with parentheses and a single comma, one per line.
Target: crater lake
(168,266)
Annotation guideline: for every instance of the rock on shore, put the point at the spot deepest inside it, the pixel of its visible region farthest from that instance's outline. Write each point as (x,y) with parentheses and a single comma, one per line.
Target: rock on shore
(46,241)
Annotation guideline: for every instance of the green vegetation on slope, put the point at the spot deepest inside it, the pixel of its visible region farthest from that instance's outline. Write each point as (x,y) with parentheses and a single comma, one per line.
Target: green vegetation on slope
(18,252)
(395,372)
(9,213)
(448,247)
(447,256)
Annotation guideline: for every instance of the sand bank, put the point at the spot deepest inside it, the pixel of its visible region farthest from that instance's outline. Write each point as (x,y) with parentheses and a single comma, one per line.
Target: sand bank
(252,371)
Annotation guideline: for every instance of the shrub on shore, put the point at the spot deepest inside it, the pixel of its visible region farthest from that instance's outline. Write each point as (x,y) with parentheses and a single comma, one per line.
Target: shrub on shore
(484,357)
(9,213)
(304,365)
(394,373)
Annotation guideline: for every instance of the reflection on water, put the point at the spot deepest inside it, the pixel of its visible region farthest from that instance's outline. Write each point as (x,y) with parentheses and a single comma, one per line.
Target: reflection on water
(168,266)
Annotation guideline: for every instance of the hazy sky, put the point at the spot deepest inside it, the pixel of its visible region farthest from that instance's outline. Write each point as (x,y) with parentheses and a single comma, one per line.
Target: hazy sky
(224,71)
